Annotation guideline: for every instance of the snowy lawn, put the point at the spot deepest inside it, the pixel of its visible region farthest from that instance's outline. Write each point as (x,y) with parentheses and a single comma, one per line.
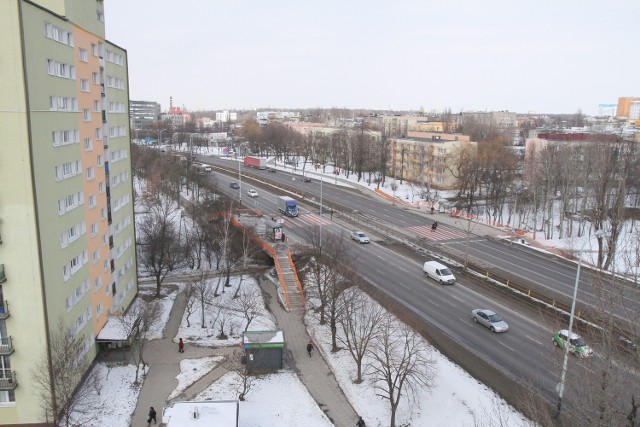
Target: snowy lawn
(116,401)
(221,310)
(455,399)
(191,370)
(168,294)
(279,399)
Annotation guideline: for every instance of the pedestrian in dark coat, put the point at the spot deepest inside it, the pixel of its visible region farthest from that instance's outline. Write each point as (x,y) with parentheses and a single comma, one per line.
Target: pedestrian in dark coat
(180,346)
(360,422)
(433,227)
(309,348)
(152,416)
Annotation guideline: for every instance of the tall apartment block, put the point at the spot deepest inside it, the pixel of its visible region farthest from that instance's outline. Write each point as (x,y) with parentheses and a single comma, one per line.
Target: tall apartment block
(67,253)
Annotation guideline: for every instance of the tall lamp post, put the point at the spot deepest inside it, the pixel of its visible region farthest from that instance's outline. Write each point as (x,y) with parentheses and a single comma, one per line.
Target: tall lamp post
(321,180)
(565,361)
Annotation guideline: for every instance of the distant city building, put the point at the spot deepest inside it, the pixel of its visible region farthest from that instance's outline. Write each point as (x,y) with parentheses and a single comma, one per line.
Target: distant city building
(625,107)
(67,251)
(605,110)
(402,125)
(634,110)
(504,120)
(265,117)
(424,158)
(226,116)
(143,114)
(176,117)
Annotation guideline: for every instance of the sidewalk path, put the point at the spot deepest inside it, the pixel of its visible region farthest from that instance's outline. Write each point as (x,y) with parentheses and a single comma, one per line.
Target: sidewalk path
(164,365)
(313,371)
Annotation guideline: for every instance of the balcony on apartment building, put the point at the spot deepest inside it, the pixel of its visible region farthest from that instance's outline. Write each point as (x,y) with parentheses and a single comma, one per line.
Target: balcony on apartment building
(3,277)
(4,309)
(6,346)
(8,380)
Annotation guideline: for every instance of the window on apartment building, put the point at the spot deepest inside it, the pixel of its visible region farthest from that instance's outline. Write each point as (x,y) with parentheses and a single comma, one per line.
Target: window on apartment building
(99,309)
(440,170)
(95,257)
(84,85)
(101,186)
(99,160)
(92,201)
(94,49)
(440,180)
(91,173)
(82,55)
(97,283)
(442,150)
(103,213)
(99,16)
(95,78)
(86,114)
(88,144)
(98,133)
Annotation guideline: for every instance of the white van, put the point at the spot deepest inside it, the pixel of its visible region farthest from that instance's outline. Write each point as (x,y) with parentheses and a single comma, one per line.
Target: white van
(439,272)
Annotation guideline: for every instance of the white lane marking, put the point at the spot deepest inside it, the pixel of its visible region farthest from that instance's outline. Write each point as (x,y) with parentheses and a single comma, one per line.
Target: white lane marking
(504,345)
(455,297)
(403,285)
(534,340)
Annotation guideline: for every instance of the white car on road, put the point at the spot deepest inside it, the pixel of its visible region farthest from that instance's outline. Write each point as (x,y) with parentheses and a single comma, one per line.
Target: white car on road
(252,193)
(360,237)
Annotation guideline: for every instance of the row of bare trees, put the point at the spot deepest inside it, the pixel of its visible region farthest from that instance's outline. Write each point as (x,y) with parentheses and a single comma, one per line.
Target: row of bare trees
(386,352)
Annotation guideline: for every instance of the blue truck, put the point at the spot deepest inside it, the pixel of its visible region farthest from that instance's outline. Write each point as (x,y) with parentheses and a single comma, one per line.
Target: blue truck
(288,206)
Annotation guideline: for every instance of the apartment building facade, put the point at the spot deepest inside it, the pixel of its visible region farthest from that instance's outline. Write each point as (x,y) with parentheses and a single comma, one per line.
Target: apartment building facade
(426,158)
(67,252)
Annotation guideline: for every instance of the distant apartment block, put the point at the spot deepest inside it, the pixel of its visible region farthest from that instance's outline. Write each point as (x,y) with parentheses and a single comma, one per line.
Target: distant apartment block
(67,240)
(143,114)
(607,110)
(265,117)
(426,158)
(226,116)
(398,126)
(504,120)
(628,107)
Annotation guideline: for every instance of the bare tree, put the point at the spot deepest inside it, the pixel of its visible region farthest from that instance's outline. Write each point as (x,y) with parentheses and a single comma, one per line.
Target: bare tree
(401,363)
(249,304)
(203,293)
(359,323)
(244,382)
(57,375)
(138,323)
(159,246)
(190,300)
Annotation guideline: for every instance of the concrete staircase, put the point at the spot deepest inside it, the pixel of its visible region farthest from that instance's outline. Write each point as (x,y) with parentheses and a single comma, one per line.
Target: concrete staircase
(289,280)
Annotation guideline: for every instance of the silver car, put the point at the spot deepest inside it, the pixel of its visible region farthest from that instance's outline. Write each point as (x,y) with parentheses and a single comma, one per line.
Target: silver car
(360,237)
(489,319)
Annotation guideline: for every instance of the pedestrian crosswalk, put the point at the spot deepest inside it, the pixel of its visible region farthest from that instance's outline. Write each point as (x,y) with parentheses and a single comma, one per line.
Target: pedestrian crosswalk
(443,232)
(306,220)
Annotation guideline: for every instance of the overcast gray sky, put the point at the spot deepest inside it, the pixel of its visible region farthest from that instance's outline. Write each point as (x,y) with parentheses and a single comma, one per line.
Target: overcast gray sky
(547,56)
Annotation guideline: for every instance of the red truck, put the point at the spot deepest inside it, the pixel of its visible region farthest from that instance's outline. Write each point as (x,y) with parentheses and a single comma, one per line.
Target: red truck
(255,162)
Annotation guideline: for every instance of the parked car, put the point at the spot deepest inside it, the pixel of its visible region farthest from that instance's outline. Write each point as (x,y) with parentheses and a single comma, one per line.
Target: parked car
(489,319)
(272,170)
(252,193)
(306,179)
(576,344)
(234,185)
(360,237)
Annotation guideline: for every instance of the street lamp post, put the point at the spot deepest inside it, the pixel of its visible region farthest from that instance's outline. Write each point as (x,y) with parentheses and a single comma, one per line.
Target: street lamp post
(320,237)
(239,184)
(565,361)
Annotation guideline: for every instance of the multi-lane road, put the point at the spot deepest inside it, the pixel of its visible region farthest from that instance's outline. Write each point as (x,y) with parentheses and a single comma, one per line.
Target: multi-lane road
(525,353)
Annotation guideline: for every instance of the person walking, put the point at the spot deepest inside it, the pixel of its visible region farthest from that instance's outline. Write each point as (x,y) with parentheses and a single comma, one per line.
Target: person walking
(180,346)
(309,348)
(361,423)
(152,416)
(433,227)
